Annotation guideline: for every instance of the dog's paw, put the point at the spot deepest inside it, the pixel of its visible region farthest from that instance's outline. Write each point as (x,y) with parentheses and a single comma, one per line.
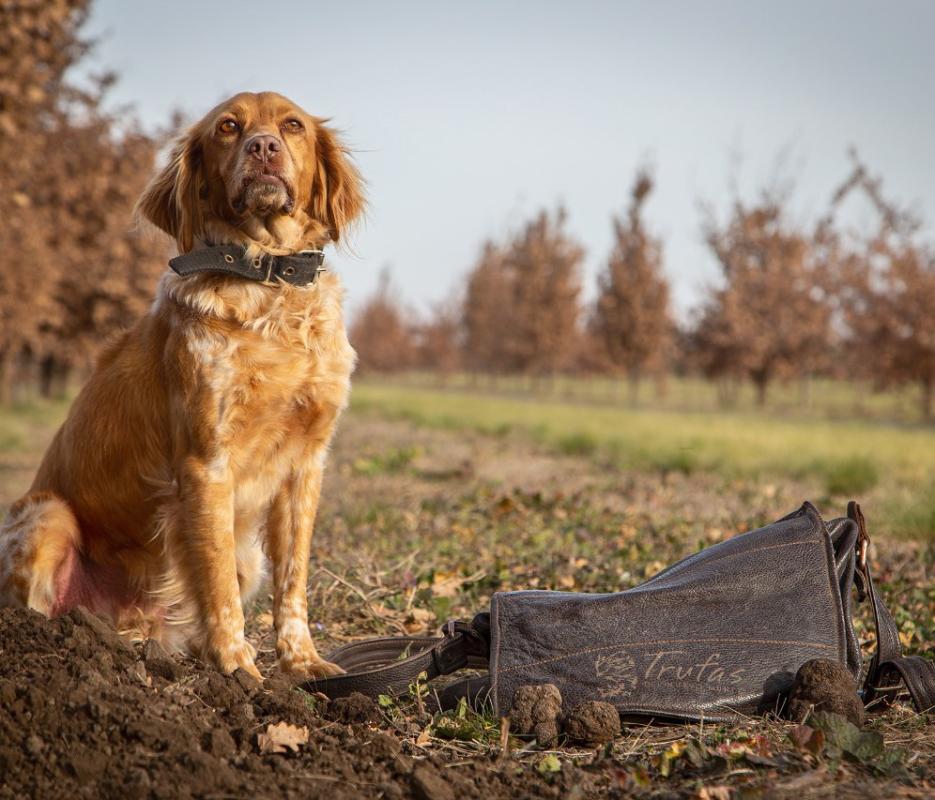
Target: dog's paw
(228,660)
(318,668)
(303,661)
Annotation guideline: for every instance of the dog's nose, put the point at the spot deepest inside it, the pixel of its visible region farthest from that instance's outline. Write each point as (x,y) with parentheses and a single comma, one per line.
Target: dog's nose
(263,147)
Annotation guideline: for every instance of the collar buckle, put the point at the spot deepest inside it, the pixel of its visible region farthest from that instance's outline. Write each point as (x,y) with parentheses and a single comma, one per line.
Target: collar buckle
(317,255)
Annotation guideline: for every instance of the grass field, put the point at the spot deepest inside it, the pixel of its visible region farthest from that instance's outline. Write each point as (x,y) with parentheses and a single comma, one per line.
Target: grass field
(815,398)
(889,464)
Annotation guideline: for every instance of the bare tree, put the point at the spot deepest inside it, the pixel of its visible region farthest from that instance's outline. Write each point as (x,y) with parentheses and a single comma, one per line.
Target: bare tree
(381,333)
(888,293)
(438,345)
(487,311)
(631,318)
(73,274)
(38,43)
(521,309)
(771,316)
(546,263)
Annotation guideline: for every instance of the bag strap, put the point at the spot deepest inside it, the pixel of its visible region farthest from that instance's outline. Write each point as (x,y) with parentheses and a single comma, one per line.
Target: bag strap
(888,662)
(391,664)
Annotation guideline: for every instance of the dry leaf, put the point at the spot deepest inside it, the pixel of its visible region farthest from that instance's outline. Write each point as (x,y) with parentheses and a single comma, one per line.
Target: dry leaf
(282,737)
(384,612)
(423,738)
(418,619)
(807,739)
(446,584)
(714,793)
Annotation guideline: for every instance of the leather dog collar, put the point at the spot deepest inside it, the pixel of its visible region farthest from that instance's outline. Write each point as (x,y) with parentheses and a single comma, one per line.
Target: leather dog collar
(299,269)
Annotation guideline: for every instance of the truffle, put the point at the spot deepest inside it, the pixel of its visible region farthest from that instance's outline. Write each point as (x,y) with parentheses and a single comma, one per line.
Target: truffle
(593,723)
(536,711)
(823,685)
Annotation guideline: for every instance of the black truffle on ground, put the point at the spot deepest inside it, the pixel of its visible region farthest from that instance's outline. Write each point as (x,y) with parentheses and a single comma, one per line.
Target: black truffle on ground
(592,723)
(536,711)
(823,685)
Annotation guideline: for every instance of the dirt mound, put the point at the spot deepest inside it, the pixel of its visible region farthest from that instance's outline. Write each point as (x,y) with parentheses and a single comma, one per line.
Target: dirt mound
(83,713)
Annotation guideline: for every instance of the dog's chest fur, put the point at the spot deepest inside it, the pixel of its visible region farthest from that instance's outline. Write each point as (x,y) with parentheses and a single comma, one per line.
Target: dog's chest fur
(269,371)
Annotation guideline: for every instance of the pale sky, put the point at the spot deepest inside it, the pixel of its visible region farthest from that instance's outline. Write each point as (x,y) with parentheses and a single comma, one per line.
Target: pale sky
(468,117)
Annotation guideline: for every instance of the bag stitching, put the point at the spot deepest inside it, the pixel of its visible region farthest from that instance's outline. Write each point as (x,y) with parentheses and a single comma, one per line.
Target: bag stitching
(727,555)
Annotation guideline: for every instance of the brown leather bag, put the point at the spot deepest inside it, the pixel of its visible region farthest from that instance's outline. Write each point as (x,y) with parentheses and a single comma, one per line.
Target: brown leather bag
(716,635)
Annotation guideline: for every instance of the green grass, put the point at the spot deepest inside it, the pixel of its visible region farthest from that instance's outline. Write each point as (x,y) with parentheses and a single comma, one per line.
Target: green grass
(820,398)
(388,463)
(23,426)
(850,475)
(836,457)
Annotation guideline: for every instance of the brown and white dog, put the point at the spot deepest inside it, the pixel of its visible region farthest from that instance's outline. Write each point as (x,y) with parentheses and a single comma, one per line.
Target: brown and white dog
(199,441)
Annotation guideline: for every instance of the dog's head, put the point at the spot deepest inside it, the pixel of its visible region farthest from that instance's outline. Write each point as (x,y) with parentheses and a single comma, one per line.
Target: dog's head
(260,171)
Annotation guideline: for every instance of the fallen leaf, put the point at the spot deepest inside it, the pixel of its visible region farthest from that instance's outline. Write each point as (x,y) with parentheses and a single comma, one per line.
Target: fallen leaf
(674,753)
(423,738)
(761,761)
(652,568)
(412,620)
(733,749)
(385,612)
(862,746)
(807,739)
(446,584)
(696,753)
(418,619)
(714,793)
(281,737)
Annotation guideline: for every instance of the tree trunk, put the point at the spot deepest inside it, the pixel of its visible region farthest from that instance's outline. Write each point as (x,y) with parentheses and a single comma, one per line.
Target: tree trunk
(634,379)
(726,392)
(60,381)
(46,376)
(761,382)
(6,379)
(761,393)
(805,391)
(22,377)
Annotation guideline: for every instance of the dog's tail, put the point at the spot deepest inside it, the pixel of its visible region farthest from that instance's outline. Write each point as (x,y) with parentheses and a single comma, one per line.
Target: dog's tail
(39,549)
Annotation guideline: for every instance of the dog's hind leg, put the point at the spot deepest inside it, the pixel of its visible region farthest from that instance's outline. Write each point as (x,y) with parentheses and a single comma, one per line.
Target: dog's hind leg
(39,544)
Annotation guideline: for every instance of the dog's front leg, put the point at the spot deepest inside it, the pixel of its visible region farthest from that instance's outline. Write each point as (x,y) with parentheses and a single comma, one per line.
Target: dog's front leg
(289,531)
(209,560)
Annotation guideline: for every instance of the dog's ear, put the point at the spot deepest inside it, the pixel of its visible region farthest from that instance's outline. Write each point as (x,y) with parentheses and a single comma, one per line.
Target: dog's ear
(338,193)
(172,200)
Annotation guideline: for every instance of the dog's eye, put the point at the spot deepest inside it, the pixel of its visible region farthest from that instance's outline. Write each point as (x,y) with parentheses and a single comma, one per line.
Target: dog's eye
(228,126)
(292,125)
